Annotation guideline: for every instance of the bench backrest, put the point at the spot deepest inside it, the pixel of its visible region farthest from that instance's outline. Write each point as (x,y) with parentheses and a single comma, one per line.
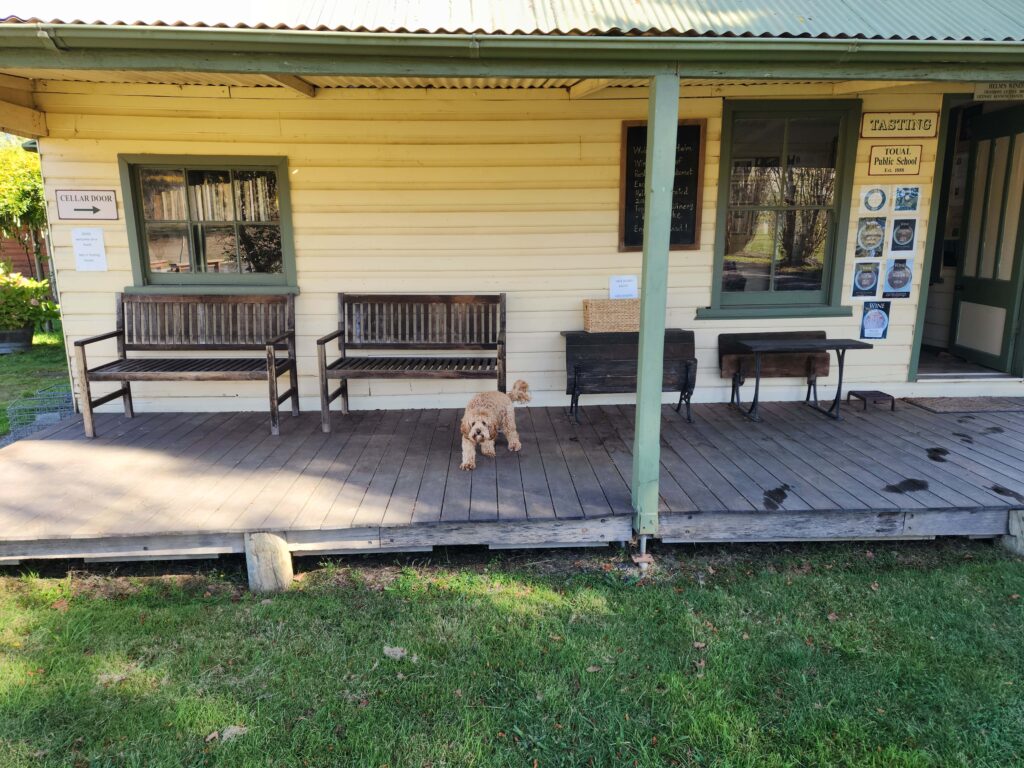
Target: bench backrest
(170,322)
(417,321)
(608,360)
(777,364)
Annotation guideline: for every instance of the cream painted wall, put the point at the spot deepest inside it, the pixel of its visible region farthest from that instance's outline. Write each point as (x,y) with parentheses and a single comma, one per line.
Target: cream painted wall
(434,191)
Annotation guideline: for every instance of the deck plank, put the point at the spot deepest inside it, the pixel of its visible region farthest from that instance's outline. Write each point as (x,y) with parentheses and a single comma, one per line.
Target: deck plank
(381,487)
(563,492)
(400,505)
(444,441)
(536,489)
(589,491)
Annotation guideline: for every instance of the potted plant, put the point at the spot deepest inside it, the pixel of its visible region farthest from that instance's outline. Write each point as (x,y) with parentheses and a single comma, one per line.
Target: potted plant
(24,303)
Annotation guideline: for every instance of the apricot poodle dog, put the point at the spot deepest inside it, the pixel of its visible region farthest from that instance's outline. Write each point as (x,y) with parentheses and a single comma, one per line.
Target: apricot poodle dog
(487,414)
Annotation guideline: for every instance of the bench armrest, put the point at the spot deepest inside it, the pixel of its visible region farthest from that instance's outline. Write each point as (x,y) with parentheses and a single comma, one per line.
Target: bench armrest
(329,337)
(278,339)
(99,337)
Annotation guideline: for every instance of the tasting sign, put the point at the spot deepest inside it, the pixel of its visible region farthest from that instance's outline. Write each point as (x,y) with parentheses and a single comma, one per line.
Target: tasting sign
(686,189)
(87,204)
(899,125)
(895,160)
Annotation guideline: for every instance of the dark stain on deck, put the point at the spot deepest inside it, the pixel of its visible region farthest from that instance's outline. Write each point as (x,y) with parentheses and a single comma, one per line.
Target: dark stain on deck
(774,497)
(994,430)
(938,454)
(1003,491)
(907,485)
(964,438)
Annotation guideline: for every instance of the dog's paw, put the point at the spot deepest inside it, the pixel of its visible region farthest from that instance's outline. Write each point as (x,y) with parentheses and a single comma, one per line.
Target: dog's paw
(467,465)
(515,446)
(489,452)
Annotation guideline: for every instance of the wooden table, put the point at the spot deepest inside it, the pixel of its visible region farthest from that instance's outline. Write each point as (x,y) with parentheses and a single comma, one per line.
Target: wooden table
(757,347)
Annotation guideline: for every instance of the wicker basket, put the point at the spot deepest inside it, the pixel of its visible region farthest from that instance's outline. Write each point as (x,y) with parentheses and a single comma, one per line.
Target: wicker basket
(605,315)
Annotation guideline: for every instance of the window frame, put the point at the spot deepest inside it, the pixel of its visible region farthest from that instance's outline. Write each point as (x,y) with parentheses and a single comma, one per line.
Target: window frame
(782,303)
(206,282)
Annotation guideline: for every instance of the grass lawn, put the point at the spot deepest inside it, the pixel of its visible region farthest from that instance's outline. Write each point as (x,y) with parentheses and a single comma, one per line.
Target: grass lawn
(841,655)
(27,372)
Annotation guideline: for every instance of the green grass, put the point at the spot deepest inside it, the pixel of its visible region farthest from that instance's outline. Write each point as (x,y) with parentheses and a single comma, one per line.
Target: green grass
(25,373)
(910,655)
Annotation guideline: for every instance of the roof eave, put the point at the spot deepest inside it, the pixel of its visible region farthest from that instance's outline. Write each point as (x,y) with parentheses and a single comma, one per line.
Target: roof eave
(89,46)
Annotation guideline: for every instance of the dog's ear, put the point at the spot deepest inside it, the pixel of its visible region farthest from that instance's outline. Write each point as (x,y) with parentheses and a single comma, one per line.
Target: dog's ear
(464,427)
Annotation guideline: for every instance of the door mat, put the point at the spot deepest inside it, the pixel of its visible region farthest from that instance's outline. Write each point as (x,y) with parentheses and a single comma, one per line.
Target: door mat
(969,404)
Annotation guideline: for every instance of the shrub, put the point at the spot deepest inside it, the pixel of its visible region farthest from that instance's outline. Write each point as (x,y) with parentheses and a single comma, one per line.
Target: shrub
(23,301)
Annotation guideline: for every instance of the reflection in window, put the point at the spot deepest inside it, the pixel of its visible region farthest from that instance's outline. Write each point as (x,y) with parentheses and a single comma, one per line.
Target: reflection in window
(203,220)
(782,197)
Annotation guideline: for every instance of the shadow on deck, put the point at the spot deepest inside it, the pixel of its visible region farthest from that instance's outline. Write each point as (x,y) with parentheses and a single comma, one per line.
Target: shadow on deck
(191,485)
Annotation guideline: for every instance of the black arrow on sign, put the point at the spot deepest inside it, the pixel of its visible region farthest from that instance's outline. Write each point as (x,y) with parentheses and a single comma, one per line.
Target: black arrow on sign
(94,209)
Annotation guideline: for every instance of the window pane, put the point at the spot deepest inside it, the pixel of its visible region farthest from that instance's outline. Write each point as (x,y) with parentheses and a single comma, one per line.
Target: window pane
(260,248)
(209,195)
(219,253)
(256,195)
(163,194)
(748,251)
(755,173)
(167,246)
(802,241)
(811,168)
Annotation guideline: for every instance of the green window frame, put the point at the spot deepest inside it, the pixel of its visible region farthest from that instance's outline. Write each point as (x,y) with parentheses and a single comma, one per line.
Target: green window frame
(774,302)
(230,221)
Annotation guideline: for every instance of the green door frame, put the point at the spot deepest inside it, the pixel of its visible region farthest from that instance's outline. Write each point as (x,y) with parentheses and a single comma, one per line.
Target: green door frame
(940,188)
(662,125)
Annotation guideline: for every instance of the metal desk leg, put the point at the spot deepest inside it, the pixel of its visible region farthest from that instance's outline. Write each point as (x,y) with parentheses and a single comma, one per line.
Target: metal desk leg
(752,412)
(834,410)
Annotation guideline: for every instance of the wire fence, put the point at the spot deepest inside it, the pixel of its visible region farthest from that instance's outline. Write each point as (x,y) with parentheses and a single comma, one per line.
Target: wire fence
(45,408)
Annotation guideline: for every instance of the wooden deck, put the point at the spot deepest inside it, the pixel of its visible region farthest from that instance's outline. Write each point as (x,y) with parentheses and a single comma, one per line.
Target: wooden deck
(191,485)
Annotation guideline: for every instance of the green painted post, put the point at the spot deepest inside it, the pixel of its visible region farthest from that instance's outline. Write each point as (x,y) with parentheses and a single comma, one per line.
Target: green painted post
(662,123)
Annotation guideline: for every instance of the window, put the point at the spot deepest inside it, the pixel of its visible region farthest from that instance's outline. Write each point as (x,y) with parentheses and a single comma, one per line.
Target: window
(204,222)
(784,197)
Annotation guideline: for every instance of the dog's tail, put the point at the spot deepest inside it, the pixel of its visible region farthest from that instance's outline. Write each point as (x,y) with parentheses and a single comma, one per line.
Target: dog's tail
(520,392)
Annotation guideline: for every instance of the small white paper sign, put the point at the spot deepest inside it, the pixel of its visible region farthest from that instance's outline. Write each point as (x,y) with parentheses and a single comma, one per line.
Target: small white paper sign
(90,251)
(622,287)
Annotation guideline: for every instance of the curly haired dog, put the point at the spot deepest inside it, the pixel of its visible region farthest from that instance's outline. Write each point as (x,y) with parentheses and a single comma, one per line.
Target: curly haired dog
(486,414)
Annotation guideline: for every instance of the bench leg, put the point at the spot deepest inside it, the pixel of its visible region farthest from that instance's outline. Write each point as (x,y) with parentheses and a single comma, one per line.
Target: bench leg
(684,397)
(293,383)
(126,398)
(275,410)
(88,420)
(344,396)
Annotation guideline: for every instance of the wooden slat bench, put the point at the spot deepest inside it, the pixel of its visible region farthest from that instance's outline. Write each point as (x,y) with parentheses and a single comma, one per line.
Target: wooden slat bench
(401,325)
(736,363)
(173,323)
(605,363)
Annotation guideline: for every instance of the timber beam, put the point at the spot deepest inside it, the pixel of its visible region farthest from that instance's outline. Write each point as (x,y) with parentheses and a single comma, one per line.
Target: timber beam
(296,84)
(22,121)
(585,88)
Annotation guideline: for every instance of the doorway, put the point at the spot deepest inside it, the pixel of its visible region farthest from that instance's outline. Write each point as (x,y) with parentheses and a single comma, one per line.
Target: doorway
(973,316)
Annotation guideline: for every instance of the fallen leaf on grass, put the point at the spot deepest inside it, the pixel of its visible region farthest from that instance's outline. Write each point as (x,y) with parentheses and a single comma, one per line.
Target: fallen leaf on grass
(212,737)
(875,586)
(700,646)
(833,616)
(744,636)
(61,606)
(809,640)
(1015,596)
(395,652)
(869,555)
(593,668)
(233,732)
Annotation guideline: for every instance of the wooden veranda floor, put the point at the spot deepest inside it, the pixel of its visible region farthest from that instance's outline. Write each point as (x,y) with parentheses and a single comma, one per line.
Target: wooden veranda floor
(173,485)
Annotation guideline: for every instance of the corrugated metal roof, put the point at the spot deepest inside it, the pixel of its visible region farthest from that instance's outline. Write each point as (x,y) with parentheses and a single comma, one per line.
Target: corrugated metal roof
(875,19)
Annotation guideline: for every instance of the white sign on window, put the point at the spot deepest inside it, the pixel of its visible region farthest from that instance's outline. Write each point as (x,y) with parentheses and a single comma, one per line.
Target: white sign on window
(623,287)
(90,251)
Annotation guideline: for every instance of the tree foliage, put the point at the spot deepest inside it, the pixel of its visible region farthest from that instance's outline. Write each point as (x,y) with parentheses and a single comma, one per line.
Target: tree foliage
(22,202)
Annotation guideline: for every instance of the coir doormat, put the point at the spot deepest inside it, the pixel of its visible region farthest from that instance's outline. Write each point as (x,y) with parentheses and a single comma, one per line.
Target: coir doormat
(968,404)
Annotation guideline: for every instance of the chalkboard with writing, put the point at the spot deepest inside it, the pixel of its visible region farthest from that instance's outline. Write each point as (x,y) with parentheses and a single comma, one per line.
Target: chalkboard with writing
(686,191)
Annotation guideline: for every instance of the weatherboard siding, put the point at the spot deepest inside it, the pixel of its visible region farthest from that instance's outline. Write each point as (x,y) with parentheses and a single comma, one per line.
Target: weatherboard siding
(432,191)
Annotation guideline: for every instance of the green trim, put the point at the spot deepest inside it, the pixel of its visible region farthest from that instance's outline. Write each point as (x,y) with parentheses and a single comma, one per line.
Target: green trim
(662,127)
(223,290)
(746,313)
(285,282)
(788,304)
(85,46)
